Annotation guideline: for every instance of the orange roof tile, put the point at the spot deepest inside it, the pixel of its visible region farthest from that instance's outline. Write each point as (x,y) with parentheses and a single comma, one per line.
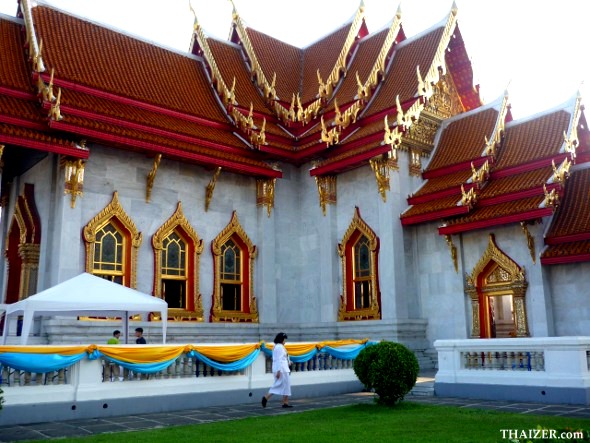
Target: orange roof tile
(463,139)
(282,58)
(364,59)
(570,249)
(515,183)
(432,206)
(500,210)
(533,139)
(87,54)
(321,55)
(443,182)
(573,214)
(22,109)
(401,78)
(231,64)
(14,72)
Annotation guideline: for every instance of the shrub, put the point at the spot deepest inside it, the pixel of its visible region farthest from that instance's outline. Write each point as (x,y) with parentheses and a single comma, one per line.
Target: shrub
(390,369)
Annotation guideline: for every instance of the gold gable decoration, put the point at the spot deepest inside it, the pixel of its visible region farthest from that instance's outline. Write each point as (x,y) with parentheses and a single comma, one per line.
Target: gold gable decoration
(374,310)
(74,178)
(217,312)
(178,220)
(503,276)
(113,210)
(326,190)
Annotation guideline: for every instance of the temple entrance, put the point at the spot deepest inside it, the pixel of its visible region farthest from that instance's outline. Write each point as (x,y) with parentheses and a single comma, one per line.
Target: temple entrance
(500,321)
(497,288)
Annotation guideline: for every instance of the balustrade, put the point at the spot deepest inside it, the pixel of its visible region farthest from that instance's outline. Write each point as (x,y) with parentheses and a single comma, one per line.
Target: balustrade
(14,377)
(504,360)
(320,362)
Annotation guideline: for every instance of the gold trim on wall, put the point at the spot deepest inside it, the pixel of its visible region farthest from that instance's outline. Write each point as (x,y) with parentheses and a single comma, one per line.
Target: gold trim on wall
(374,311)
(512,281)
(178,220)
(217,313)
(112,210)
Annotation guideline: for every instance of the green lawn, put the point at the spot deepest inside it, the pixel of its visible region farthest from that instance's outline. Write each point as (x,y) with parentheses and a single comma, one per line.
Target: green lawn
(407,422)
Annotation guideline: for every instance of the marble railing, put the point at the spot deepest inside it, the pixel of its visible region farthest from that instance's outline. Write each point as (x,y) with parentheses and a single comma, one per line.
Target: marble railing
(551,369)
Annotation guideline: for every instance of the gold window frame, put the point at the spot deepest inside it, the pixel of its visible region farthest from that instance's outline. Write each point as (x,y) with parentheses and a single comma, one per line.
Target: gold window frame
(115,211)
(513,282)
(176,223)
(373,312)
(234,230)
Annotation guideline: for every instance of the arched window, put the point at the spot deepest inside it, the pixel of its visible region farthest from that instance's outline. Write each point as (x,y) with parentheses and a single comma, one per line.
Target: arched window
(359,251)
(112,242)
(108,261)
(176,279)
(233,296)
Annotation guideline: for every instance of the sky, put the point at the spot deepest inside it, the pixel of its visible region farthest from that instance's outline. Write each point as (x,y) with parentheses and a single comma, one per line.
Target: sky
(534,49)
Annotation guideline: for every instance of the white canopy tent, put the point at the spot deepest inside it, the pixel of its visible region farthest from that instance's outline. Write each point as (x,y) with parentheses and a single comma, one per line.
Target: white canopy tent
(85,295)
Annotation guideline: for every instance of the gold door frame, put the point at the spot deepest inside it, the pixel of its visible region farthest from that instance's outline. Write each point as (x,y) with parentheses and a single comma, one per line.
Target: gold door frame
(507,279)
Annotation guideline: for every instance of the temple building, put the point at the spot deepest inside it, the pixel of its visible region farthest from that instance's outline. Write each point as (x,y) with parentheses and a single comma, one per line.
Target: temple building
(357,187)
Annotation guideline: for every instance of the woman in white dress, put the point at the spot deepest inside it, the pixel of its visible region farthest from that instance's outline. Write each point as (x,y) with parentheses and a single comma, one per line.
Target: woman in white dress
(280,371)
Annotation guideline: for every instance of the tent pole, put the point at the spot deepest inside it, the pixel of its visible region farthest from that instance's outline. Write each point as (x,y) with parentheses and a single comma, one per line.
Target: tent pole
(126,327)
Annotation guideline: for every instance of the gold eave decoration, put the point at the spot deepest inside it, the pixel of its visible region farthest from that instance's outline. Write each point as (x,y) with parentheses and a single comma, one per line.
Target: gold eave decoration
(373,312)
(210,188)
(438,65)
(55,109)
(178,220)
(265,193)
(561,174)
(492,144)
(46,91)
(571,141)
(551,198)
(113,210)
(217,313)
(530,240)
(151,177)
(468,198)
(453,251)
(329,136)
(35,49)
(381,168)
(479,176)
(74,178)
(509,278)
(227,95)
(391,137)
(258,139)
(327,190)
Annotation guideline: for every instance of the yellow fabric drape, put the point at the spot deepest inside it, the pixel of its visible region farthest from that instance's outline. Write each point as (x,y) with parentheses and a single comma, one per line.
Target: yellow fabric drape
(297,349)
(60,350)
(143,354)
(227,353)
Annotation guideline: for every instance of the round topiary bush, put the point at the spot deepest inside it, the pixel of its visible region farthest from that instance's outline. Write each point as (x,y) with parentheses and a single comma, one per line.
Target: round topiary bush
(390,369)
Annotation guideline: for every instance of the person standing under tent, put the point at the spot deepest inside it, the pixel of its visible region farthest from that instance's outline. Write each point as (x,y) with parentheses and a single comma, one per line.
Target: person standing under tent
(280,371)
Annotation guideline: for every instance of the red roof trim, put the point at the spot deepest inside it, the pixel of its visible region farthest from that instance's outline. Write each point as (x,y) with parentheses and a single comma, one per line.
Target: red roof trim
(437,215)
(172,152)
(17,94)
(137,103)
(151,130)
(526,167)
(349,162)
(463,166)
(567,238)
(503,220)
(565,259)
(440,194)
(22,123)
(532,192)
(41,146)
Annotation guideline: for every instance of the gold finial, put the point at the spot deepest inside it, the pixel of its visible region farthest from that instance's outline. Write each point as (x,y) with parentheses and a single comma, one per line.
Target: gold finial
(561,174)
(48,90)
(54,111)
(468,198)
(551,198)
(330,137)
(151,177)
(195,22)
(211,187)
(391,138)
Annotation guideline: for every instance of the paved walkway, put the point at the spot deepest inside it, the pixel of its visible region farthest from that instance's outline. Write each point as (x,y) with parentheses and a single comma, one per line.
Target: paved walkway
(81,428)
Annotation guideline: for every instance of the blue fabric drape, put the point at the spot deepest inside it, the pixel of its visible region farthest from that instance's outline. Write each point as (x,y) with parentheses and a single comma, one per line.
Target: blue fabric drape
(237,365)
(39,363)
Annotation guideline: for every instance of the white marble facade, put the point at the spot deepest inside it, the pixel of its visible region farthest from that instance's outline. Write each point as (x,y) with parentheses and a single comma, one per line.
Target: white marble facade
(298,274)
